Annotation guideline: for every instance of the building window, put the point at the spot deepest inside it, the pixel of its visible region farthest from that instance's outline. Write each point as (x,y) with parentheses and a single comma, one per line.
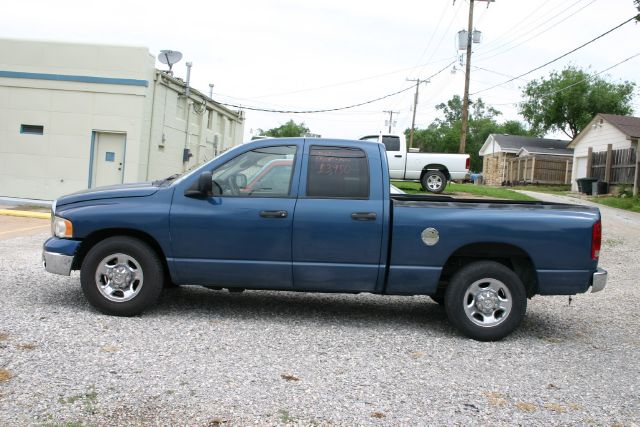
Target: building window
(220,124)
(181,110)
(336,172)
(209,118)
(32,129)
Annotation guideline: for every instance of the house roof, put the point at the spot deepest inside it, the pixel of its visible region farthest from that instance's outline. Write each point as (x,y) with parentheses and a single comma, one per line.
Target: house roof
(628,125)
(513,143)
(547,151)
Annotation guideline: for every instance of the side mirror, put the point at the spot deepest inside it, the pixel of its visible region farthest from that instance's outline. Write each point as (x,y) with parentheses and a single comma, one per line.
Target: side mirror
(202,187)
(204,183)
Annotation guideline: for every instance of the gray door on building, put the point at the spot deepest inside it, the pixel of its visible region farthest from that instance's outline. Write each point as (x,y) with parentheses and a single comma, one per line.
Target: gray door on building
(108,158)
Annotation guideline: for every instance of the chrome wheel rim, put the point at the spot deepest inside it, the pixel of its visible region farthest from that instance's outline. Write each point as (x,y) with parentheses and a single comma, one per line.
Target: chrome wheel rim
(434,182)
(119,277)
(487,302)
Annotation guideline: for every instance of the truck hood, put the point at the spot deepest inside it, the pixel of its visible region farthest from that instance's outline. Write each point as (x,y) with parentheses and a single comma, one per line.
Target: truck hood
(141,189)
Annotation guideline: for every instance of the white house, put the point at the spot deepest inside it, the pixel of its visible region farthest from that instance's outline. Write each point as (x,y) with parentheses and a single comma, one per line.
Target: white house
(74,116)
(613,134)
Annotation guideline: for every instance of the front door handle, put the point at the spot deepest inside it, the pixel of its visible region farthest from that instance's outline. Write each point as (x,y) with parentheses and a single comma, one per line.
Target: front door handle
(364,216)
(398,155)
(274,214)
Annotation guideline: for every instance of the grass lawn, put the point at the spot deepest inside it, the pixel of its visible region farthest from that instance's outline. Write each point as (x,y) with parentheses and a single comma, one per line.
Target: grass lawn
(626,203)
(464,190)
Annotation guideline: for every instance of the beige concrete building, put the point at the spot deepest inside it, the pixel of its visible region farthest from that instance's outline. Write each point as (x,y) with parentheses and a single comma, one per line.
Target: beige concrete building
(76,116)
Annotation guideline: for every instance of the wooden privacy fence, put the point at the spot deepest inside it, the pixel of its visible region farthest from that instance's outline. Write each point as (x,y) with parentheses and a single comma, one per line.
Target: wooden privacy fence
(614,166)
(540,169)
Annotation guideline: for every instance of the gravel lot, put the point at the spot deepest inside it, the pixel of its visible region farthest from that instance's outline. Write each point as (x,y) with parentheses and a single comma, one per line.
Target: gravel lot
(205,357)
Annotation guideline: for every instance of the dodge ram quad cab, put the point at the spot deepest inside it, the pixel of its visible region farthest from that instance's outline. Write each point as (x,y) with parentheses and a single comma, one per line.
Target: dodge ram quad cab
(317,215)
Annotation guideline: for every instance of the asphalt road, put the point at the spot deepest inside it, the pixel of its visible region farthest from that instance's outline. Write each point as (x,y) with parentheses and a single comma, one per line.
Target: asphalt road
(205,357)
(12,226)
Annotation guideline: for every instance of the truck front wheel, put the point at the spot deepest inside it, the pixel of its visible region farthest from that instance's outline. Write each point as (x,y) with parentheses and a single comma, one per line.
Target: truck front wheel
(434,181)
(486,301)
(121,276)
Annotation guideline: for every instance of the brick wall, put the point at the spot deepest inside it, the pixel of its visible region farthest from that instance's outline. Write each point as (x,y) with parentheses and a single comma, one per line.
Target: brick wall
(493,166)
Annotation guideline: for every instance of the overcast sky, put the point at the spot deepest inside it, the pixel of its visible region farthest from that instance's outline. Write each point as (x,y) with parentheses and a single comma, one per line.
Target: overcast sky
(308,55)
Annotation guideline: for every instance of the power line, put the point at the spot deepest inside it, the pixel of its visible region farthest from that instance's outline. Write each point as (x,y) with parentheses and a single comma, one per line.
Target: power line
(493,71)
(553,25)
(517,26)
(580,81)
(525,32)
(375,76)
(433,34)
(446,32)
(560,57)
(326,110)
(444,11)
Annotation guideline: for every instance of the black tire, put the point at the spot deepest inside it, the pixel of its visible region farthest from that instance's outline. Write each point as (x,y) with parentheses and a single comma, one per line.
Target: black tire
(490,286)
(126,258)
(434,181)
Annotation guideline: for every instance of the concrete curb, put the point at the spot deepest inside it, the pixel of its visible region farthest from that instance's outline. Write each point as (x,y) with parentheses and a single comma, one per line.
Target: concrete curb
(25,214)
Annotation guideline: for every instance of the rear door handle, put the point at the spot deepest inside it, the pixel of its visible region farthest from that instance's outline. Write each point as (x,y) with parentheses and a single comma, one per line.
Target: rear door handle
(398,155)
(364,216)
(274,214)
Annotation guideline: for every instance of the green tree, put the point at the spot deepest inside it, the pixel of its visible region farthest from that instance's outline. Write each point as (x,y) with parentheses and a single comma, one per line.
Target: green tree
(567,100)
(289,129)
(443,134)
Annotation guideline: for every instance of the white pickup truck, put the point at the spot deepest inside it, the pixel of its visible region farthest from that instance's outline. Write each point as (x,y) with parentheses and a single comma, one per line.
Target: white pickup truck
(433,170)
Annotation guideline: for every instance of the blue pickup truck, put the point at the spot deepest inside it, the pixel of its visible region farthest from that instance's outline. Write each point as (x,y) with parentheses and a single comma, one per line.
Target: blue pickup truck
(317,215)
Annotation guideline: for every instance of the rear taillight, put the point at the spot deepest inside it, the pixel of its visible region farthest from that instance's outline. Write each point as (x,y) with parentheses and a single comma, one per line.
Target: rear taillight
(467,163)
(596,240)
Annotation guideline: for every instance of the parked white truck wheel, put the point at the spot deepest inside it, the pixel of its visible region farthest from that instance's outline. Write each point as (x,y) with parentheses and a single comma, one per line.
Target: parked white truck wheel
(434,181)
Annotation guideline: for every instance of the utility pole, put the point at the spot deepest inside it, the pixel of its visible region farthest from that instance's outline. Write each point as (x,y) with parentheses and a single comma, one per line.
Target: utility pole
(391,113)
(467,75)
(415,107)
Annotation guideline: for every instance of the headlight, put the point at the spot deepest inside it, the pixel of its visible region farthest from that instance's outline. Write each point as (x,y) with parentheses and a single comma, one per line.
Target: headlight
(62,228)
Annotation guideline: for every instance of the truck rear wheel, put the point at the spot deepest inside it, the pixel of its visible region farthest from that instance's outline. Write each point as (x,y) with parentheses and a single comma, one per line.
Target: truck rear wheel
(122,276)
(434,181)
(486,301)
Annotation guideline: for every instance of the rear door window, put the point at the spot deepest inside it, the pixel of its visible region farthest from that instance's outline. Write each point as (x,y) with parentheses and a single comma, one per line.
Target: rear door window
(337,172)
(391,143)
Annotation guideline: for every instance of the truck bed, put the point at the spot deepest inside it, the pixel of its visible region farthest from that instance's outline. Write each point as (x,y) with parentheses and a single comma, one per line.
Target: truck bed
(408,200)
(555,238)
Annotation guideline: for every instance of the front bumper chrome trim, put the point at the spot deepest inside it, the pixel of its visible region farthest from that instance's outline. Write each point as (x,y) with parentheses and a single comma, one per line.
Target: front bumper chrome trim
(57,263)
(599,280)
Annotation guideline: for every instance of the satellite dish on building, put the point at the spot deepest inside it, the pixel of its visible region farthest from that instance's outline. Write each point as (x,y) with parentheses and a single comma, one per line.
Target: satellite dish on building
(169,57)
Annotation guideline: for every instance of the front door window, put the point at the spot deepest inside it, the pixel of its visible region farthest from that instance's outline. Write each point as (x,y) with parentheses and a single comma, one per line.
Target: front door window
(264,172)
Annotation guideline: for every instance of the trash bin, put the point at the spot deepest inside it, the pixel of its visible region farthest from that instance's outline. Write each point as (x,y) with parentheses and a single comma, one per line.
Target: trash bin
(600,187)
(585,185)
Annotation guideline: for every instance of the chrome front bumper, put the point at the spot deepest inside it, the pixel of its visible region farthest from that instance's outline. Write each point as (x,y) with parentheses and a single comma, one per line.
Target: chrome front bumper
(57,263)
(599,280)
